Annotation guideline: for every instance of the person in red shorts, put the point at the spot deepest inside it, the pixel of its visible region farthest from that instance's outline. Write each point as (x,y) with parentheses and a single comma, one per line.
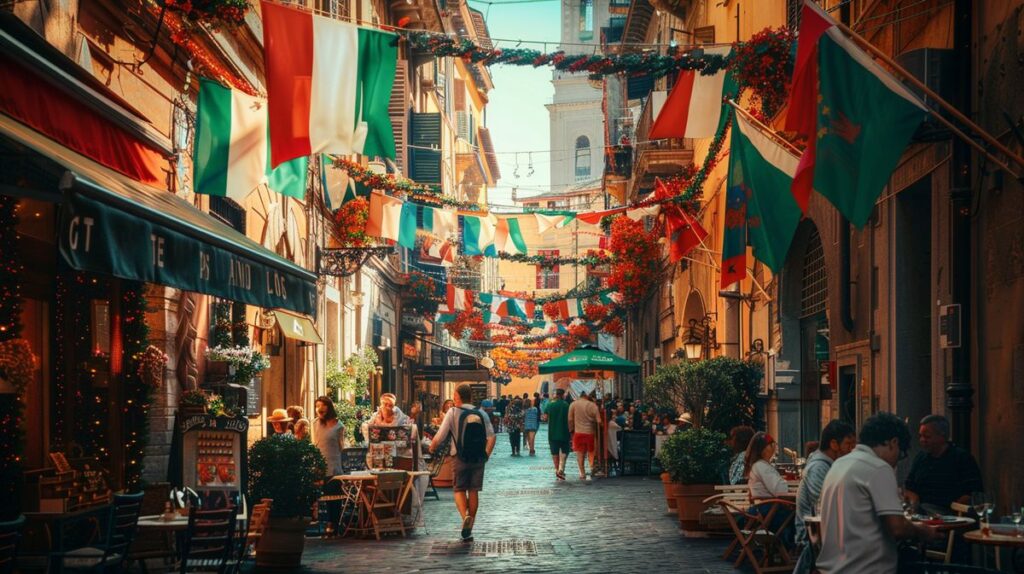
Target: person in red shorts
(584,422)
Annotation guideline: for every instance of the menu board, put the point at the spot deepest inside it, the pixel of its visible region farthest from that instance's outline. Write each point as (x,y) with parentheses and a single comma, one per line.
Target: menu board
(386,443)
(215,460)
(213,457)
(636,446)
(254,397)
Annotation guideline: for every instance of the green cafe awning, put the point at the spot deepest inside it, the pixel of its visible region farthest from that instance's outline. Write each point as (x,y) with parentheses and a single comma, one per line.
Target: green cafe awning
(117,226)
(588,358)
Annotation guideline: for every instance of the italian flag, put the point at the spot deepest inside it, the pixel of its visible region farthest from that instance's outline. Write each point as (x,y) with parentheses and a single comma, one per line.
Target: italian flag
(508,237)
(764,171)
(439,222)
(478,234)
(694,106)
(569,309)
(548,221)
(230,157)
(328,85)
(459,299)
(858,119)
(385,218)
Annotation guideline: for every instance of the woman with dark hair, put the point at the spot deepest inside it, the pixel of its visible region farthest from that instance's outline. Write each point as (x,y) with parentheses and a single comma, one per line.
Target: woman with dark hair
(329,437)
(739,438)
(765,483)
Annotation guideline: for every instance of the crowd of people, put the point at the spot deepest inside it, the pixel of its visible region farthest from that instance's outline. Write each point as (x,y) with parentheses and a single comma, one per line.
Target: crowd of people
(849,483)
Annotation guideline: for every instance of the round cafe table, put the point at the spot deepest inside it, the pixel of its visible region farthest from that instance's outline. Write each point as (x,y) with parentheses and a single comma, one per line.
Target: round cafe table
(997,541)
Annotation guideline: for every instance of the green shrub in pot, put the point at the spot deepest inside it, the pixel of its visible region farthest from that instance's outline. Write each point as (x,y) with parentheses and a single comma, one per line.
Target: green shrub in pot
(287,470)
(695,456)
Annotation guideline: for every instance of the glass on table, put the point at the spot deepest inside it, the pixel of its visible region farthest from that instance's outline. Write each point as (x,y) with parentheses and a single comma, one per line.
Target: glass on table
(1016,515)
(982,504)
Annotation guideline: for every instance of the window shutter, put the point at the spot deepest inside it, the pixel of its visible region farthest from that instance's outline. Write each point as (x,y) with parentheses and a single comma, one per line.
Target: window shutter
(463,125)
(460,96)
(398,110)
(425,133)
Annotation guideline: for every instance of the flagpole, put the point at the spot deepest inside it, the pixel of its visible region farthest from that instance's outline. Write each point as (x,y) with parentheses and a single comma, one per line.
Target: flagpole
(719,270)
(767,130)
(942,103)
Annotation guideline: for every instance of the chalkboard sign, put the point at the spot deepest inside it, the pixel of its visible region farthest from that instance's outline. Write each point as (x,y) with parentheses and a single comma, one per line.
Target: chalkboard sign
(636,446)
(353,459)
(254,397)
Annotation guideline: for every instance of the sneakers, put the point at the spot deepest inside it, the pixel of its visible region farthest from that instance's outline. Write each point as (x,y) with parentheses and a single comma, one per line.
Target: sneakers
(467,528)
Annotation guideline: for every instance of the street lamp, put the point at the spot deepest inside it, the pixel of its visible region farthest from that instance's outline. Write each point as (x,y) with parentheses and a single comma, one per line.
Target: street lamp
(701,339)
(693,345)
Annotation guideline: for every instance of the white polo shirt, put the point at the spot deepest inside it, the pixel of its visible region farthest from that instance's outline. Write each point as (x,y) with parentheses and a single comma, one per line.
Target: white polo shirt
(859,490)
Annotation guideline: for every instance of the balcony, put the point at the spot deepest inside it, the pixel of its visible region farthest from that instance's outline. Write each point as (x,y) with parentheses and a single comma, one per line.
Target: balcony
(660,158)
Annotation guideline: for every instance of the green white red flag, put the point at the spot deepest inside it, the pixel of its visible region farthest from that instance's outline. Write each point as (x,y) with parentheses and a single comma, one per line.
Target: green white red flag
(693,108)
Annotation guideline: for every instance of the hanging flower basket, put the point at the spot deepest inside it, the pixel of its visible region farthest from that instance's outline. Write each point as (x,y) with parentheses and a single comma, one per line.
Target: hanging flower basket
(152,365)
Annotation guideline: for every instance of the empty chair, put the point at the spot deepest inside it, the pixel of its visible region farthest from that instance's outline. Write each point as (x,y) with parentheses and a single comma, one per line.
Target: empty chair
(245,543)
(208,540)
(435,465)
(10,532)
(152,544)
(385,503)
(109,556)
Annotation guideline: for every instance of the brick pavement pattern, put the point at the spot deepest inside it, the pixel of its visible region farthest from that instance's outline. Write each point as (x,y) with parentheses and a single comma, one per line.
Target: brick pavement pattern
(530,522)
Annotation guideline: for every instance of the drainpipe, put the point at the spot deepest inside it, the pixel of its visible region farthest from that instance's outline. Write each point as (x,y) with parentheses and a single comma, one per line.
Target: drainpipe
(845,311)
(959,391)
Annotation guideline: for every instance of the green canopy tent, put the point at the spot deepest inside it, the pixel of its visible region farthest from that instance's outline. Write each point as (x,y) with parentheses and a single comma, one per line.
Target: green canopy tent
(588,358)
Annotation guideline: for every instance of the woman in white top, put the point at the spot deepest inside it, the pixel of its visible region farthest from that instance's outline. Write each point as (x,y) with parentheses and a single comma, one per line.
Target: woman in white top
(329,437)
(764,482)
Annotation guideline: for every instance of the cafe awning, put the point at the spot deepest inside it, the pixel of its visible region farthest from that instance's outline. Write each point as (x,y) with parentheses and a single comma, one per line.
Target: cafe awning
(297,327)
(114,225)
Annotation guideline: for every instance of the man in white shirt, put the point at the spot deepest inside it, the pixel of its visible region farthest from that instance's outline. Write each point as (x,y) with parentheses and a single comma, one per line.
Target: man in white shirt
(861,512)
(468,474)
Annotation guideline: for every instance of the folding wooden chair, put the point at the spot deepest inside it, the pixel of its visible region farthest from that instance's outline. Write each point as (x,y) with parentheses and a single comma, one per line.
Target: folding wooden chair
(384,502)
(946,554)
(245,544)
(759,543)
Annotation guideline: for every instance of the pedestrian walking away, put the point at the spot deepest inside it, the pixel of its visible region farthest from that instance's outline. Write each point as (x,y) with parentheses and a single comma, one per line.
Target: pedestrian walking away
(584,422)
(531,423)
(472,443)
(557,413)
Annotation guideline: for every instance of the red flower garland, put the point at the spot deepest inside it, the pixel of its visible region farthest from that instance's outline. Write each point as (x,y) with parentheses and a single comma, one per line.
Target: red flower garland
(636,260)
(763,64)
(419,294)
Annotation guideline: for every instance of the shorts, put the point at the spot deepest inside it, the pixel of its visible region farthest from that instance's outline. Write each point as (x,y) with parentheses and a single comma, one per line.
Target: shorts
(469,476)
(583,442)
(558,446)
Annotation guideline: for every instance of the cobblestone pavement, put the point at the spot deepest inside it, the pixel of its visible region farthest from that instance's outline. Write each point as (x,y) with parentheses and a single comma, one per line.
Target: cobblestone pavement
(530,522)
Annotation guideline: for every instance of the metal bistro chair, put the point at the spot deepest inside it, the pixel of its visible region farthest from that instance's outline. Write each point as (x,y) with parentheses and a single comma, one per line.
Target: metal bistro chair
(207,543)
(10,533)
(347,495)
(385,502)
(109,556)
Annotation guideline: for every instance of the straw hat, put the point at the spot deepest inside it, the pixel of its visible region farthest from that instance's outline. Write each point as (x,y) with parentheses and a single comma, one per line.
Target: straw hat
(279,416)
(685,418)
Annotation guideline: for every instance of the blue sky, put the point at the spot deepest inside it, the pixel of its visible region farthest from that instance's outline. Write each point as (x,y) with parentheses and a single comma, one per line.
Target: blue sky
(516,114)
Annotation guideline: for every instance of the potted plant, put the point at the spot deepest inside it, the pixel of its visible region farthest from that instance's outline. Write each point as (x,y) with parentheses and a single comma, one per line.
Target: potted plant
(193,402)
(662,391)
(695,460)
(290,473)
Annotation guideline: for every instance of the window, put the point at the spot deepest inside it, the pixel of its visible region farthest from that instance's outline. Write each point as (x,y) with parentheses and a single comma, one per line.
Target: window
(586,19)
(547,277)
(582,158)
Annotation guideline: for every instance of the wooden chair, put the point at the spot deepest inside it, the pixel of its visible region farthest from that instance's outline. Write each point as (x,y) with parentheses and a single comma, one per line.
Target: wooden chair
(111,554)
(384,502)
(435,465)
(946,555)
(245,545)
(207,543)
(10,533)
(151,544)
(758,541)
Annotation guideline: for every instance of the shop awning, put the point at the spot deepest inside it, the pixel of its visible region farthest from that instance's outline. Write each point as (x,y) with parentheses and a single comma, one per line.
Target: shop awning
(297,327)
(114,225)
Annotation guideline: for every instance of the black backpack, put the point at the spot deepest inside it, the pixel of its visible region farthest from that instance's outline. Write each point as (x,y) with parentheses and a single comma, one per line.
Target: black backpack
(471,436)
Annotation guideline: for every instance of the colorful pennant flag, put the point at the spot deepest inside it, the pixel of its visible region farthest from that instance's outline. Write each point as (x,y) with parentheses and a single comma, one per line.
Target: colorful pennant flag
(595,217)
(639,213)
(764,171)
(385,219)
(734,236)
(548,221)
(459,299)
(508,236)
(437,252)
(231,156)
(694,107)
(440,222)
(407,226)
(478,234)
(328,84)
(863,120)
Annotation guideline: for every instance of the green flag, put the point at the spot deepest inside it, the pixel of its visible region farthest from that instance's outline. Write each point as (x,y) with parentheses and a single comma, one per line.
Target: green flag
(865,120)
(764,171)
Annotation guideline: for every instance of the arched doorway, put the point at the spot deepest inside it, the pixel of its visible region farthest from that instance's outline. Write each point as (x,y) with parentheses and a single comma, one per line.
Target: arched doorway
(805,339)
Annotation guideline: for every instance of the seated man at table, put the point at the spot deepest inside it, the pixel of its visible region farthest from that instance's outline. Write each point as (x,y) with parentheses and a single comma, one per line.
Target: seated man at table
(861,512)
(837,439)
(942,473)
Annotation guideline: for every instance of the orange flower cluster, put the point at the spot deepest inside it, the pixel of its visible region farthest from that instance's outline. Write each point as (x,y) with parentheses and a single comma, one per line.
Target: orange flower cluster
(471,320)
(636,262)
(517,362)
(350,222)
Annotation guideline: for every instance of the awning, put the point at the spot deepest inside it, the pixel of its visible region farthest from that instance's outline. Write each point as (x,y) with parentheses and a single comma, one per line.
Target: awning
(114,225)
(297,327)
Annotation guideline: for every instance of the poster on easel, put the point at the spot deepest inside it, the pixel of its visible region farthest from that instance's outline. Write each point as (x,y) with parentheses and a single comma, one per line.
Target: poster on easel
(211,452)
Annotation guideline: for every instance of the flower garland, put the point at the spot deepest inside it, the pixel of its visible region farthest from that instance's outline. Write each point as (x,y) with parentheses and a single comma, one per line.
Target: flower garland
(420,294)
(248,362)
(212,12)
(397,185)
(151,366)
(350,222)
(592,258)
(637,257)
(468,323)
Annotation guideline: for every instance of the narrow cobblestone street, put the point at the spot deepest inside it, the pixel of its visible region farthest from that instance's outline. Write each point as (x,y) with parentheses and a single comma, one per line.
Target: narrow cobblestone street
(529,522)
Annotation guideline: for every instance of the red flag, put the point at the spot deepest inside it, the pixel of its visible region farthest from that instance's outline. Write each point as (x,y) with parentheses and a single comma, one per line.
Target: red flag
(594,217)
(683,232)
(802,116)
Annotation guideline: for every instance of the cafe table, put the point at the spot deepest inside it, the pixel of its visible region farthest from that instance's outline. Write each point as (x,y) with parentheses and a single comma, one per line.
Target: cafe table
(54,527)
(363,523)
(995,540)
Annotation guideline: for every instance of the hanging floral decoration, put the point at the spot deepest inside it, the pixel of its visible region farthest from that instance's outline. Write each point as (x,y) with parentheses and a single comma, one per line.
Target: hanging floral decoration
(523,363)
(764,63)
(211,12)
(419,294)
(151,366)
(637,258)
(595,312)
(350,222)
(591,258)
(469,323)
(17,363)
(396,185)
(614,327)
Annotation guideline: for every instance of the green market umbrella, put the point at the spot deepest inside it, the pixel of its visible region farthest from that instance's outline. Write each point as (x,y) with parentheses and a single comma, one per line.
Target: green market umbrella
(588,358)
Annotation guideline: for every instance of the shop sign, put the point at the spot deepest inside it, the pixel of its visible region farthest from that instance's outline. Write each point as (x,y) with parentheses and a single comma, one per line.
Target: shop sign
(211,422)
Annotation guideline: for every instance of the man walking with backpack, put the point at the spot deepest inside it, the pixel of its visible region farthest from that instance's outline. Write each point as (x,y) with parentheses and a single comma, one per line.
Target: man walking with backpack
(472,442)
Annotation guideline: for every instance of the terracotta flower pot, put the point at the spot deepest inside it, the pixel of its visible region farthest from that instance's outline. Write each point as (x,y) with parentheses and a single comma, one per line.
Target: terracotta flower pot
(670,496)
(689,503)
(280,547)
